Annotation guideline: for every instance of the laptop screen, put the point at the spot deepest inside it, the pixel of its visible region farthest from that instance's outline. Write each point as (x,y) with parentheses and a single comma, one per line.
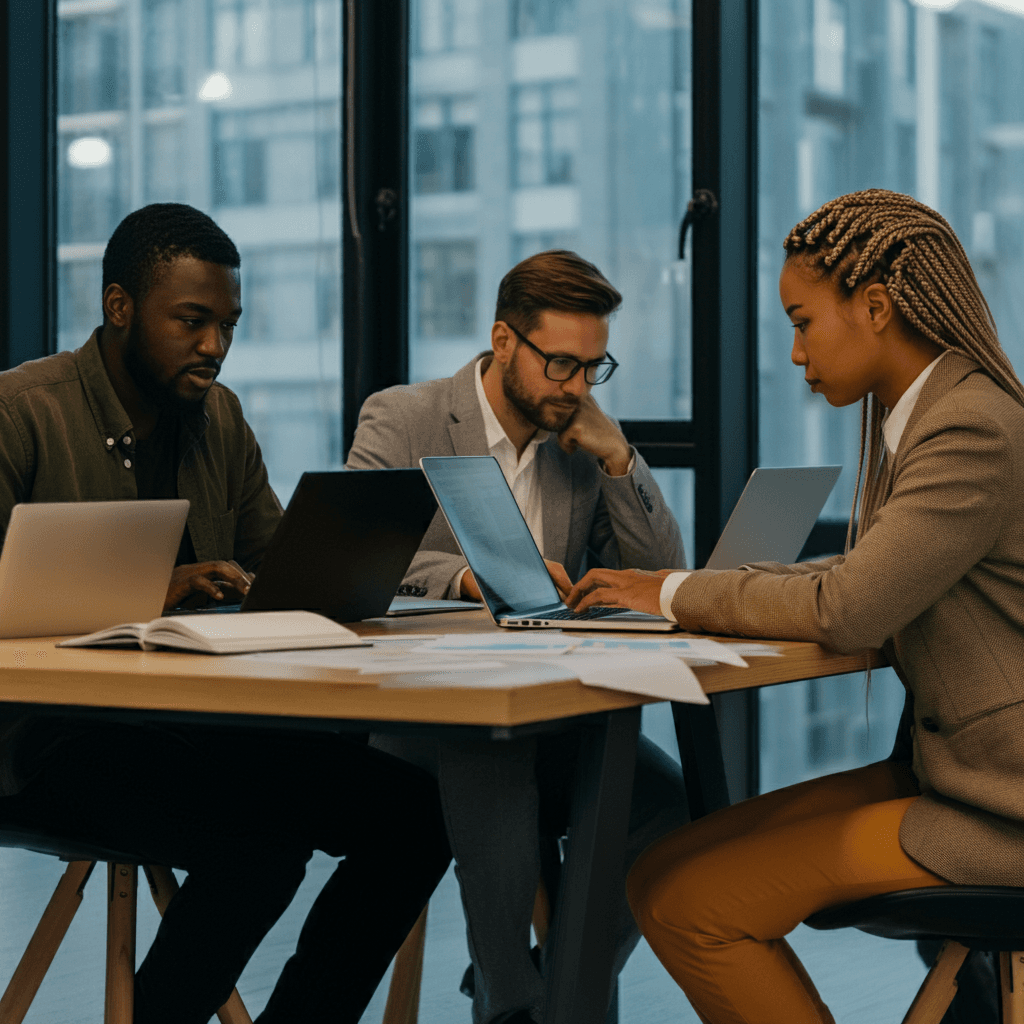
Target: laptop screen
(492,533)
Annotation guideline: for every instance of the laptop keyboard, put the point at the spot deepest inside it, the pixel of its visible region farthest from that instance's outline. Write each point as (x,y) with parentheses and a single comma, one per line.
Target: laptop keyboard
(591,613)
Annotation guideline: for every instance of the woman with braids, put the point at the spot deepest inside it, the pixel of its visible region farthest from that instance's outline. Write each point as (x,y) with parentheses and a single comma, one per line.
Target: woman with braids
(887,311)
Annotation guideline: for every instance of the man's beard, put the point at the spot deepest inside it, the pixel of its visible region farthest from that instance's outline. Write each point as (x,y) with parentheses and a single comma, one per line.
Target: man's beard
(159,393)
(545,413)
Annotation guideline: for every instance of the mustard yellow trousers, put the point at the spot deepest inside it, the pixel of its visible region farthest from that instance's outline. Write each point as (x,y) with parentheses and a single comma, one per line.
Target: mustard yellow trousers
(715,898)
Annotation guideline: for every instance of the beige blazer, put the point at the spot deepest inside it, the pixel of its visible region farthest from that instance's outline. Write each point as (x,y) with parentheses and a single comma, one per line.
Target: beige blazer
(937,581)
(621,521)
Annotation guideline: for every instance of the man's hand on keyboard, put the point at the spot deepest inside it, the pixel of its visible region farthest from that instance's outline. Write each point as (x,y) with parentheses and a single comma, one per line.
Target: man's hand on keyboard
(639,589)
(560,577)
(468,586)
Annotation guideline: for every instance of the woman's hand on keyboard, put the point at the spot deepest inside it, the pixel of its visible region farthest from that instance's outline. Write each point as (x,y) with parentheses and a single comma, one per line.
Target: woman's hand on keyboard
(639,589)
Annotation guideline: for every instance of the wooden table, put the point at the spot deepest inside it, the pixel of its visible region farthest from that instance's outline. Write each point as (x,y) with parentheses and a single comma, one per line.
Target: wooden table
(134,685)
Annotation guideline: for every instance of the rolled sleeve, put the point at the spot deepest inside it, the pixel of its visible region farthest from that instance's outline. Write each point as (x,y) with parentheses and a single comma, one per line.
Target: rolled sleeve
(668,592)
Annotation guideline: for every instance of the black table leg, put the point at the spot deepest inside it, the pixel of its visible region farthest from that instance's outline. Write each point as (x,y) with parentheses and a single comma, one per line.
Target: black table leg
(585,922)
(700,750)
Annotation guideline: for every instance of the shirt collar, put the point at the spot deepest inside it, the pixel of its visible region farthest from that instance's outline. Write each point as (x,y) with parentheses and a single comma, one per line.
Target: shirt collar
(492,427)
(111,419)
(895,420)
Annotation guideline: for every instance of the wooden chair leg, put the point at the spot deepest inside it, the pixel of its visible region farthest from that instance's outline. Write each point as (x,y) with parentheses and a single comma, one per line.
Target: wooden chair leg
(45,942)
(163,885)
(122,881)
(1011,987)
(935,995)
(403,1005)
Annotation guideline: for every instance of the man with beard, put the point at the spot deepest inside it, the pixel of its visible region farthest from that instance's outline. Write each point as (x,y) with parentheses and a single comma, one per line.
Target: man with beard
(136,413)
(589,499)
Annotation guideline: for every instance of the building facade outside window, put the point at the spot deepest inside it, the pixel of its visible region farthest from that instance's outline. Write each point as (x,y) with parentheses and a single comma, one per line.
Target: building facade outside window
(546,134)
(543,17)
(445,127)
(238,113)
(446,281)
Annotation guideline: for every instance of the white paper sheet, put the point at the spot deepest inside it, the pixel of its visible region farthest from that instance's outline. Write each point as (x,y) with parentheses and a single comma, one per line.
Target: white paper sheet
(703,652)
(653,675)
(747,650)
(549,641)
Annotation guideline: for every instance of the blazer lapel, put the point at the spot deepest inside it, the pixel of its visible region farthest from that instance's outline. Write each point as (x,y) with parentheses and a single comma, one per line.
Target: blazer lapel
(466,428)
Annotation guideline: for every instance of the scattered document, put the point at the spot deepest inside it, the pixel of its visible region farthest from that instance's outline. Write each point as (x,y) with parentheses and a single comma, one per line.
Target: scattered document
(548,641)
(653,675)
(699,651)
(747,650)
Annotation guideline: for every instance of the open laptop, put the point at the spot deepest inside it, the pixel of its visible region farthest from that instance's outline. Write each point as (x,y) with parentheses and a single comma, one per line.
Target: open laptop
(516,587)
(344,543)
(75,567)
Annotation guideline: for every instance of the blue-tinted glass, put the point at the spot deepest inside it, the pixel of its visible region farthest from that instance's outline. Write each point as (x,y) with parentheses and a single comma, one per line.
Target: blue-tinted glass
(544,124)
(232,106)
(924,101)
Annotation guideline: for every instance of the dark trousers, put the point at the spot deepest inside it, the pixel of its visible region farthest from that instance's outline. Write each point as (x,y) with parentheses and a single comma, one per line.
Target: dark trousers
(242,812)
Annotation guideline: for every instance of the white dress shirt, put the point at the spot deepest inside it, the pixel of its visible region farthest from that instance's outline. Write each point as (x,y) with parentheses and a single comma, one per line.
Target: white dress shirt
(520,472)
(893,424)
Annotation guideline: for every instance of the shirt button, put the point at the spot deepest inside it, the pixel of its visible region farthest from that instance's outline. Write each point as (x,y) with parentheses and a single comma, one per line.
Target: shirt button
(110,442)
(127,463)
(126,440)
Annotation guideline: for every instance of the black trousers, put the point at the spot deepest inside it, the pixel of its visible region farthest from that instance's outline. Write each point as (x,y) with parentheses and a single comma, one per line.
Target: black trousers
(242,812)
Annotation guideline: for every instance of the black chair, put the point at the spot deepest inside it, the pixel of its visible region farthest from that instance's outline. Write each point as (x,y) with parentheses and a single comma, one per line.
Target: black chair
(965,918)
(122,879)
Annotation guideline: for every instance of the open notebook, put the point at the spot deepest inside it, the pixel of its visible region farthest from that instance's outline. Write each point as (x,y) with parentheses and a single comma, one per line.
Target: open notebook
(226,634)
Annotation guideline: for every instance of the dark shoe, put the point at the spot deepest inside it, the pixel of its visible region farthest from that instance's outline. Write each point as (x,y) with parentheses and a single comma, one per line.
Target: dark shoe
(468,984)
(515,1017)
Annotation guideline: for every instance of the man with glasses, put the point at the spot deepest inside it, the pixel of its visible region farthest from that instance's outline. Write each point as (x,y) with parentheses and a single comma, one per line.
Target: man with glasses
(589,499)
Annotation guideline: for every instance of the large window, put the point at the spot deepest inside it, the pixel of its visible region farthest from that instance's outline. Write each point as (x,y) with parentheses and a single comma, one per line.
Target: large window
(924,100)
(524,134)
(232,106)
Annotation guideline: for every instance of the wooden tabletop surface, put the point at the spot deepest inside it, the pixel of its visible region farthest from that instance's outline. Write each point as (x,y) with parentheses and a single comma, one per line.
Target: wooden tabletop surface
(35,671)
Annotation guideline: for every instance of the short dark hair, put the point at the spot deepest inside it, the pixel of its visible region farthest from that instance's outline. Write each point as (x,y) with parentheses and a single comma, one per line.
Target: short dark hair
(159,234)
(556,280)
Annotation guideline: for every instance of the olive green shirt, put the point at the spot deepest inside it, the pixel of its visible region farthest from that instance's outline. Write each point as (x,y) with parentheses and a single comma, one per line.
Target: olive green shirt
(64,436)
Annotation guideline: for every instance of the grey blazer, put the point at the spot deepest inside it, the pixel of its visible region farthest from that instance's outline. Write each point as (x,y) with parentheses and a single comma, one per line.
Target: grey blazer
(937,581)
(623,520)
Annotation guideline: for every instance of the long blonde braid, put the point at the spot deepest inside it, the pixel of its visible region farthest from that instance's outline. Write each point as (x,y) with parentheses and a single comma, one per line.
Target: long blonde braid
(912,250)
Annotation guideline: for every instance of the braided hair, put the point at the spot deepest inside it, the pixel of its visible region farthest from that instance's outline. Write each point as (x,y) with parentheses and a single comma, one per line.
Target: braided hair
(883,236)
(157,235)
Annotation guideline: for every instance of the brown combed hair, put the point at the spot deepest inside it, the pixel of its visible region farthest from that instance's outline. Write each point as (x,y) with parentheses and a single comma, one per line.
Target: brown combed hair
(877,235)
(557,280)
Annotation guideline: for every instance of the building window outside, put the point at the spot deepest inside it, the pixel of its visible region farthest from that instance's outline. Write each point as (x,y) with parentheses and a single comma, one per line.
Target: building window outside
(446,285)
(164,42)
(94,177)
(930,113)
(444,137)
(90,52)
(277,156)
(253,34)
(445,25)
(135,128)
(830,33)
(546,134)
(543,17)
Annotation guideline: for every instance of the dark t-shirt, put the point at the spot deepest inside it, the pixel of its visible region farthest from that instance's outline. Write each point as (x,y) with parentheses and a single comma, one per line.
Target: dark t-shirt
(156,474)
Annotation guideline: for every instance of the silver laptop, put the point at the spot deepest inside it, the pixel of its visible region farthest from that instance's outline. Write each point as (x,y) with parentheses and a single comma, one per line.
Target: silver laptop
(516,587)
(75,567)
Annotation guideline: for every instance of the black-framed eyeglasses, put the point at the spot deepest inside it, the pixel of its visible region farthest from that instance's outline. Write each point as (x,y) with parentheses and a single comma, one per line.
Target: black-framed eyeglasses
(563,368)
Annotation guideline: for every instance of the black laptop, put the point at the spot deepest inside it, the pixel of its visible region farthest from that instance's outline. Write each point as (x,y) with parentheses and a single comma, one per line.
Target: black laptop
(344,543)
